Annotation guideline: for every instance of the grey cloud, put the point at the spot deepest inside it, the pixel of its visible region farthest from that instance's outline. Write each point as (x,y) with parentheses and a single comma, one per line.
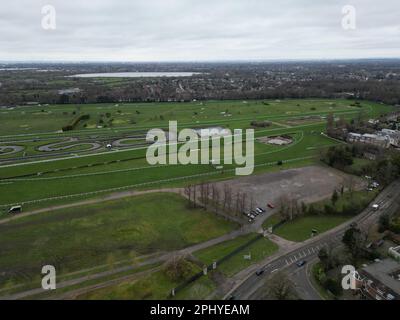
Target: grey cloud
(143,30)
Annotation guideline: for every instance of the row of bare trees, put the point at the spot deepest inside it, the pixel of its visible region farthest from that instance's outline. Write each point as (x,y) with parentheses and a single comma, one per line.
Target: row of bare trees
(290,208)
(219,199)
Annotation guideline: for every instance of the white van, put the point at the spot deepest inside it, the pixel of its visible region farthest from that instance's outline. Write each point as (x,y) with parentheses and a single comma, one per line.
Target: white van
(375,207)
(15,209)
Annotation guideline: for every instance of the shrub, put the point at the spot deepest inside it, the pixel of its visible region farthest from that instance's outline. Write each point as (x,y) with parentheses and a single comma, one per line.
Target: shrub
(178,269)
(333,286)
(260,124)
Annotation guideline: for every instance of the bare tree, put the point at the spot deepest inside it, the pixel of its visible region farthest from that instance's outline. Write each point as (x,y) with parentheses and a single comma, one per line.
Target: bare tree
(251,201)
(203,193)
(188,193)
(350,184)
(215,196)
(226,191)
(195,196)
(284,207)
(280,287)
(243,202)
(228,199)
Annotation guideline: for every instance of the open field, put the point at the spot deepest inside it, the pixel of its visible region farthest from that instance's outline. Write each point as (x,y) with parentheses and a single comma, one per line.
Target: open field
(66,167)
(258,251)
(300,229)
(157,285)
(74,239)
(44,183)
(41,119)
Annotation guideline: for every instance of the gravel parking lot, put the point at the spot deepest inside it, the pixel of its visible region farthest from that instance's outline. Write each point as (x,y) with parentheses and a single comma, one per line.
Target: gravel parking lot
(308,184)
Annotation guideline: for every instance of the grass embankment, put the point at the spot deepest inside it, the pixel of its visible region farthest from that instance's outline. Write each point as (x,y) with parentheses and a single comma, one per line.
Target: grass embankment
(155,286)
(300,229)
(258,250)
(158,285)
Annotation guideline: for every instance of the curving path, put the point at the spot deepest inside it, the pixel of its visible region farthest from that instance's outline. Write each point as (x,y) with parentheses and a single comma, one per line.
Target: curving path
(14,149)
(65,145)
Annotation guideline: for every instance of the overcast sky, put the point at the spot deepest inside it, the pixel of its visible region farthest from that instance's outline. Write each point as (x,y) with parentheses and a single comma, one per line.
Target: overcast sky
(194,30)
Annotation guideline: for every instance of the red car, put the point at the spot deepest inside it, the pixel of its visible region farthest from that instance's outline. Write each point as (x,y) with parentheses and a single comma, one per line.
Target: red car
(270,205)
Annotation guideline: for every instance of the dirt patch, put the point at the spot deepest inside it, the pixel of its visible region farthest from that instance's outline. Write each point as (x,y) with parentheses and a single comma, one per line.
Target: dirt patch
(277,140)
(303,120)
(308,184)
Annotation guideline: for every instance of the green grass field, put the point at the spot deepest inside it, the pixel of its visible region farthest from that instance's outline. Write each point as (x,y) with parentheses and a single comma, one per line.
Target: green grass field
(300,229)
(102,234)
(41,119)
(158,285)
(88,176)
(155,286)
(78,238)
(259,250)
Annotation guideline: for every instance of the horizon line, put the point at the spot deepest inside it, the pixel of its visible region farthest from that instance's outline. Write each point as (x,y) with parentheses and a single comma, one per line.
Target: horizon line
(199,61)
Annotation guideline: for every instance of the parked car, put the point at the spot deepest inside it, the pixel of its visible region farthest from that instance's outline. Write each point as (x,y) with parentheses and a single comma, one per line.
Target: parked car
(374,184)
(271,206)
(259,272)
(375,206)
(15,209)
(252,217)
(301,263)
(254,213)
(261,209)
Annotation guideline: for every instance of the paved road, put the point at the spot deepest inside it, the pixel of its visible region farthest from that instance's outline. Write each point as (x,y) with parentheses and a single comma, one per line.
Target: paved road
(302,280)
(308,250)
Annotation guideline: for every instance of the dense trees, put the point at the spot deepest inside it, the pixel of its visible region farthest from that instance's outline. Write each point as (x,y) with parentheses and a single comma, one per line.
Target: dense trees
(355,241)
(339,157)
(385,169)
(376,81)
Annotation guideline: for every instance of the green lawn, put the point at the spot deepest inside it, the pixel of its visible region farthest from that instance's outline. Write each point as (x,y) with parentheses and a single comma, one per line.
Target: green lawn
(77,238)
(258,250)
(158,285)
(39,119)
(359,166)
(130,168)
(300,229)
(154,286)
